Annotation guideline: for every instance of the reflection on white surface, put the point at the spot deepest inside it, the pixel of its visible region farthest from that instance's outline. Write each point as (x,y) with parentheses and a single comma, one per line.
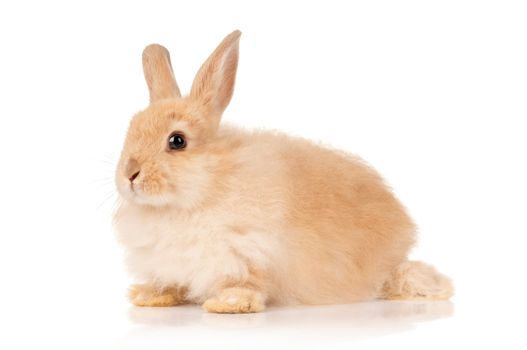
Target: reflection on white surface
(300,325)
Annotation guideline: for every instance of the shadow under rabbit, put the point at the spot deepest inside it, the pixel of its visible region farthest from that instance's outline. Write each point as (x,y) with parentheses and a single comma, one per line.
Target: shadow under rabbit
(305,324)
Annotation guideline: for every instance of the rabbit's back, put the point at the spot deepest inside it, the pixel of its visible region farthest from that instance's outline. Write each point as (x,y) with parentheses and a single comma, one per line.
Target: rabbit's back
(340,228)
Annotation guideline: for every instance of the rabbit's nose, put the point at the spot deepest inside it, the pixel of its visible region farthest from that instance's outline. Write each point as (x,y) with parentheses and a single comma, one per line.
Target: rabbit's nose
(132,169)
(132,178)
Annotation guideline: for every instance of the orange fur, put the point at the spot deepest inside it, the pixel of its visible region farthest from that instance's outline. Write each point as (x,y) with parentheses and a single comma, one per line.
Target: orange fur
(415,280)
(243,219)
(150,295)
(236,300)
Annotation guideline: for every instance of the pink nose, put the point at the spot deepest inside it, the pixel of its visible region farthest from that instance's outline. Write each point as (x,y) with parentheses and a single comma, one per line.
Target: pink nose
(133,168)
(132,178)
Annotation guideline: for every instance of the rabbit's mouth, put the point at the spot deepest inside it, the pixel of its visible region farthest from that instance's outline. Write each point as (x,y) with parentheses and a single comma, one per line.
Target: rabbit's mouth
(157,188)
(142,192)
(137,196)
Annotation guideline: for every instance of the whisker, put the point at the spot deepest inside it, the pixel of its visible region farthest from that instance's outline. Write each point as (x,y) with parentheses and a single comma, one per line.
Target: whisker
(106,198)
(103,186)
(102,180)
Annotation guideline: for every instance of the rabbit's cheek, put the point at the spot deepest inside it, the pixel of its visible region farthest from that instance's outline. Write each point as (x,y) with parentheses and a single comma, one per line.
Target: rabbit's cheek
(153,182)
(153,186)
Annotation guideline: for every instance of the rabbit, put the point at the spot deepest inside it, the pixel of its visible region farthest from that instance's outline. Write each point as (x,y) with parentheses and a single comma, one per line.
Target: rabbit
(238,220)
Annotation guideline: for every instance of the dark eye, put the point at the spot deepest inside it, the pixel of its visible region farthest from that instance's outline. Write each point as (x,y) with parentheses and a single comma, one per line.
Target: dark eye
(177,141)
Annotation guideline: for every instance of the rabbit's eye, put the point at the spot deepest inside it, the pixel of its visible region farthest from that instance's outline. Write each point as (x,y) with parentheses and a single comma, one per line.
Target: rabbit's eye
(177,141)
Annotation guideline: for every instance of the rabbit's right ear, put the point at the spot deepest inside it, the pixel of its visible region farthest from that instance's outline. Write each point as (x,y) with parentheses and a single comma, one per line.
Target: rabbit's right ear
(158,73)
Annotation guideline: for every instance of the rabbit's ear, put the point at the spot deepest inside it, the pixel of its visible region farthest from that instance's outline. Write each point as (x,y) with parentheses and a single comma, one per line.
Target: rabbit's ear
(214,82)
(158,73)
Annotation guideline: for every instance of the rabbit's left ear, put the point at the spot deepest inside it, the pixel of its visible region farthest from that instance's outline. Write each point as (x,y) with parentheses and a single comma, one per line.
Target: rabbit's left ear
(214,82)
(158,73)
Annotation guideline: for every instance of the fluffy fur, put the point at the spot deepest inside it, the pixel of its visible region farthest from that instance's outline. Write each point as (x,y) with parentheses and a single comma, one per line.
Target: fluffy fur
(238,220)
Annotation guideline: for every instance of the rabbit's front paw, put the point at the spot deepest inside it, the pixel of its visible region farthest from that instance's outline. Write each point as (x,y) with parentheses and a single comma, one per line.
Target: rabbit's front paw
(236,301)
(147,295)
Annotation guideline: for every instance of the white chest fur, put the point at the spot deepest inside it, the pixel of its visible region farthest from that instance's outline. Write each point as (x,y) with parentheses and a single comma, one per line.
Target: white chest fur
(198,251)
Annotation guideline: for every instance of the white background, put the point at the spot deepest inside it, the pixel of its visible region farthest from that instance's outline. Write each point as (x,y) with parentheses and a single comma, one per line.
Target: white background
(433,94)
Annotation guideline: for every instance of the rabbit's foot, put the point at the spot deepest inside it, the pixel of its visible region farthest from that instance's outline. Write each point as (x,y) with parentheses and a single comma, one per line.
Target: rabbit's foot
(236,301)
(415,280)
(149,295)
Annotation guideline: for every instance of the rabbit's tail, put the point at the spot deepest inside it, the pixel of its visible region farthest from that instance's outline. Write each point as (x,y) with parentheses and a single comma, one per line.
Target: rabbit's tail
(415,280)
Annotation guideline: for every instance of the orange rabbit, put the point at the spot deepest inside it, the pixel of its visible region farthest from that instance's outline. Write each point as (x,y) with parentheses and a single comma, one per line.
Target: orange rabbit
(237,220)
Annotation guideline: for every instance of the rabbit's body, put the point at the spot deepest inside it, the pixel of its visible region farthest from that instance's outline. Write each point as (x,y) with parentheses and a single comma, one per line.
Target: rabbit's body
(237,219)
(313,220)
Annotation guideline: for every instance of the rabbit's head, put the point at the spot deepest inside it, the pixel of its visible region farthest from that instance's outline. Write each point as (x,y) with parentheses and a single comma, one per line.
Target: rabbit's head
(168,157)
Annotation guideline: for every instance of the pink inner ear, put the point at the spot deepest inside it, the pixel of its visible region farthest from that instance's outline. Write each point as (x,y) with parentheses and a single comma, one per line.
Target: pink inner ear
(226,86)
(214,82)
